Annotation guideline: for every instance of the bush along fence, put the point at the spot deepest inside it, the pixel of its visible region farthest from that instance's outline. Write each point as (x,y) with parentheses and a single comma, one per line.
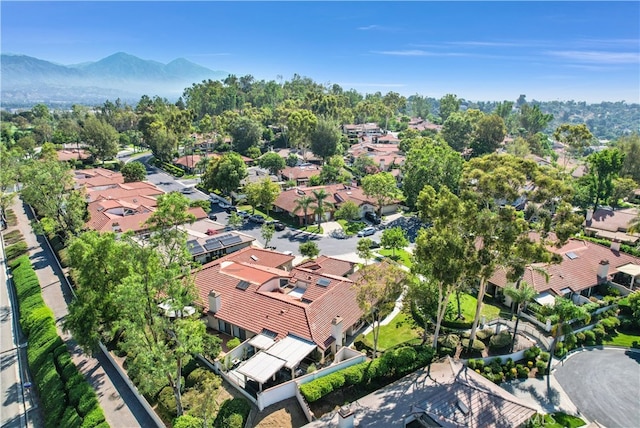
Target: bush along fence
(392,365)
(498,369)
(66,397)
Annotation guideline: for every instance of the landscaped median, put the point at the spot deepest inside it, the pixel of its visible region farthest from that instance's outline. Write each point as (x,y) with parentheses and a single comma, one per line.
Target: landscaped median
(67,399)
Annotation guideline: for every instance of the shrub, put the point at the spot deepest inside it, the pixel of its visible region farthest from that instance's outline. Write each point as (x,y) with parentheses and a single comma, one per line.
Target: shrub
(16,250)
(13,237)
(570,341)
(522,372)
(544,356)
(561,351)
(88,402)
(531,353)
(311,368)
(541,367)
(233,343)
(404,359)
(484,334)
(71,419)
(188,421)
(477,345)
(580,338)
(471,363)
(197,376)
(238,406)
(610,324)
(353,375)
(167,402)
(589,338)
(311,391)
(599,332)
(500,340)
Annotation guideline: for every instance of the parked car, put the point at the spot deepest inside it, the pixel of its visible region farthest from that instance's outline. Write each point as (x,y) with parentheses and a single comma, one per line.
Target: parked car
(256,218)
(213,217)
(278,226)
(223,205)
(243,214)
(374,245)
(372,217)
(367,231)
(231,209)
(187,190)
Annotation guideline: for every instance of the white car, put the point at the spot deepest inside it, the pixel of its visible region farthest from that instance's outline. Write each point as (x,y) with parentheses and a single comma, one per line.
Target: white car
(367,231)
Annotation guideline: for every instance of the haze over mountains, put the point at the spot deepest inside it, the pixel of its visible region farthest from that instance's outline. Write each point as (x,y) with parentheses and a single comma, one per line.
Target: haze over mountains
(27,80)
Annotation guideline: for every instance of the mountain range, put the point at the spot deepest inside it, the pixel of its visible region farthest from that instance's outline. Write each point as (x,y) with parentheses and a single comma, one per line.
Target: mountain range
(27,80)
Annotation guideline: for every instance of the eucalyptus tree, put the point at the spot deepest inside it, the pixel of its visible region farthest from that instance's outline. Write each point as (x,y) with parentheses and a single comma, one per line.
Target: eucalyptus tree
(575,138)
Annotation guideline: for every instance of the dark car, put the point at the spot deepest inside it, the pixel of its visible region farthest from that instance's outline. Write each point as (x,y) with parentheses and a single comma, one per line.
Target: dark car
(231,209)
(256,218)
(213,217)
(372,217)
(278,226)
(374,245)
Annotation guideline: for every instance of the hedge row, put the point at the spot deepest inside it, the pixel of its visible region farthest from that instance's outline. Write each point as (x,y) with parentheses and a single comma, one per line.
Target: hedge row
(172,169)
(67,399)
(392,364)
(16,250)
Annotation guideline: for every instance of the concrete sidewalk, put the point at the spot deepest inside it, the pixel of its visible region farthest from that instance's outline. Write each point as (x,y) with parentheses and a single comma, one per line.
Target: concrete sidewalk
(120,406)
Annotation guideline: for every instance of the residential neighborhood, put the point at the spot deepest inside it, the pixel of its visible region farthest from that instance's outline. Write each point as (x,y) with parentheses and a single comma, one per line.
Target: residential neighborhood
(325,272)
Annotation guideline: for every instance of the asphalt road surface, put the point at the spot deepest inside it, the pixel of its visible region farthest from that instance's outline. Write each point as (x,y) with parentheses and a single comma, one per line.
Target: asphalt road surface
(604,384)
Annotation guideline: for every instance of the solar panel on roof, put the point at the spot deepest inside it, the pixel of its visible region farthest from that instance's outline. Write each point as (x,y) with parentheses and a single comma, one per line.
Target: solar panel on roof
(269,333)
(572,255)
(323,282)
(212,244)
(235,239)
(194,247)
(243,285)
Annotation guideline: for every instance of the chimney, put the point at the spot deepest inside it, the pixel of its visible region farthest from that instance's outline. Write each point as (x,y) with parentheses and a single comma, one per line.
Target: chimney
(346,415)
(589,215)
(615,245)
(336,332)
(603,270)
(382,165)
(214,301)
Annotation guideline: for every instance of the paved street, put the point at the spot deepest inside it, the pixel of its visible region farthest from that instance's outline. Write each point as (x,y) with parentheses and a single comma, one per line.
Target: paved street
(13,409)
(119,404)
(604,384)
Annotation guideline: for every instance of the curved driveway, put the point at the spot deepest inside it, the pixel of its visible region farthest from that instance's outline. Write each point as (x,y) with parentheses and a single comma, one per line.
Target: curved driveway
(604,384)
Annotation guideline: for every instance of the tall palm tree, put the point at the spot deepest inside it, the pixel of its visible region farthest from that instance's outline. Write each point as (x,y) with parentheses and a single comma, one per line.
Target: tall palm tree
(521,297)
(566,311)
(303,203)
(319,197)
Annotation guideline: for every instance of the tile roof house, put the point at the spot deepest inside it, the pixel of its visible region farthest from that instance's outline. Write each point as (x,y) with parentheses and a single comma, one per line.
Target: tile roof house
(300,173)
(583,266)
(97,177)
(356,130)
(329,265)
(208,240)
(73,154)
(447,394)
(611,224)
(339,193)
(243,298)
(421,124)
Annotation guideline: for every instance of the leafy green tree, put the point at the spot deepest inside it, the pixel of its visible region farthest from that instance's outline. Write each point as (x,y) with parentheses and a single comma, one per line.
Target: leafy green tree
(604,167)
(394,238)
(519,147)
(225,173)
(504,109)
(267,231)
(325,138)
(435,164)
(268,192)
(234,220)
(134,171)
(532,119)
(303,203)
(630,146)
(364,165)
(309,249)
(46,185)
(622,190)
(246,133)
(377,286)
(566,311)
(363,249)
(521,297)
(101,138)
(457,131)
(202,401)
(348,211)
(300,124)
(9,173)
(273,162)
(576,138)
(292,160)
(449,104)
(488,134)
(383,187)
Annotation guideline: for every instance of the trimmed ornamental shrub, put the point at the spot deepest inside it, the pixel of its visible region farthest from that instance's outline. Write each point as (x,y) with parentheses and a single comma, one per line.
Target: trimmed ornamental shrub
(16,250)
(471,363)
(580,338)
(311,391)
(541,367)
(353,375)
(71,419)
(233,343)
(457,325)
(449,340)
(500,340)
(476,346)
(561,350)
(188,421)
(570,341)
(589,338)
(484,334)
(167,402)
(311,368)
(239,406)
(199,375)
(531,353)
(610,324)
(13,237)
(544,356)
(599,332)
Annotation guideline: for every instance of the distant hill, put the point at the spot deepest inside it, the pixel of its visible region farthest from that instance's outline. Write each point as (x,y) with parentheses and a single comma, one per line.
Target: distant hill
(26,80)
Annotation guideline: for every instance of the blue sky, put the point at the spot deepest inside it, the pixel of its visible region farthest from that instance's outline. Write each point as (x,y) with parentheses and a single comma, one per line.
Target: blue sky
(585,51)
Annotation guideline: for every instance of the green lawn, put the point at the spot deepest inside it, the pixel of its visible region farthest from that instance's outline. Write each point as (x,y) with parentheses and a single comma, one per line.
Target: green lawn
(561,420)
(402,256)
(399,330)
(468,305)
(622,339)
(352,227)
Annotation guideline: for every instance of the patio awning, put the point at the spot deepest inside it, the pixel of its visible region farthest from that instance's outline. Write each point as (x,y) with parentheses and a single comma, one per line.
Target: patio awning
(629,269)
(261,367)
(261,341)
(292,349)
(545,298)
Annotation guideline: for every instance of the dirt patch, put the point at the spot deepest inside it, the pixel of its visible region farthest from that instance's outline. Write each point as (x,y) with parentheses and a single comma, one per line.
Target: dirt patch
(286,414)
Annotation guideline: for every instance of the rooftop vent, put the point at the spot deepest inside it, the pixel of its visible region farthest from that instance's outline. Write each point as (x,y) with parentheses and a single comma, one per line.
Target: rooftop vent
(254,258)
(463,407)
(571,255)
(323,282)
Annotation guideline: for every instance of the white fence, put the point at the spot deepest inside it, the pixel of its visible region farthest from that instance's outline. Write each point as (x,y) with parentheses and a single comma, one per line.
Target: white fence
(304,406)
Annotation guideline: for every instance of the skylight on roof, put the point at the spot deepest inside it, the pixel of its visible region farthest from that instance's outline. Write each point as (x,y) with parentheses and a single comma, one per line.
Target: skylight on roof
(243,285)
(323,282)
(254,258)
(571,255)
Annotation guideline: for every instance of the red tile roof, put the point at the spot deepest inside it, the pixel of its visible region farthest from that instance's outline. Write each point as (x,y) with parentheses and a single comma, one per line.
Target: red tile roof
(263,305)
(300,172)
(97,177)
(67,155)
(575,273)
(259,256)
(339,193)
(328,265)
